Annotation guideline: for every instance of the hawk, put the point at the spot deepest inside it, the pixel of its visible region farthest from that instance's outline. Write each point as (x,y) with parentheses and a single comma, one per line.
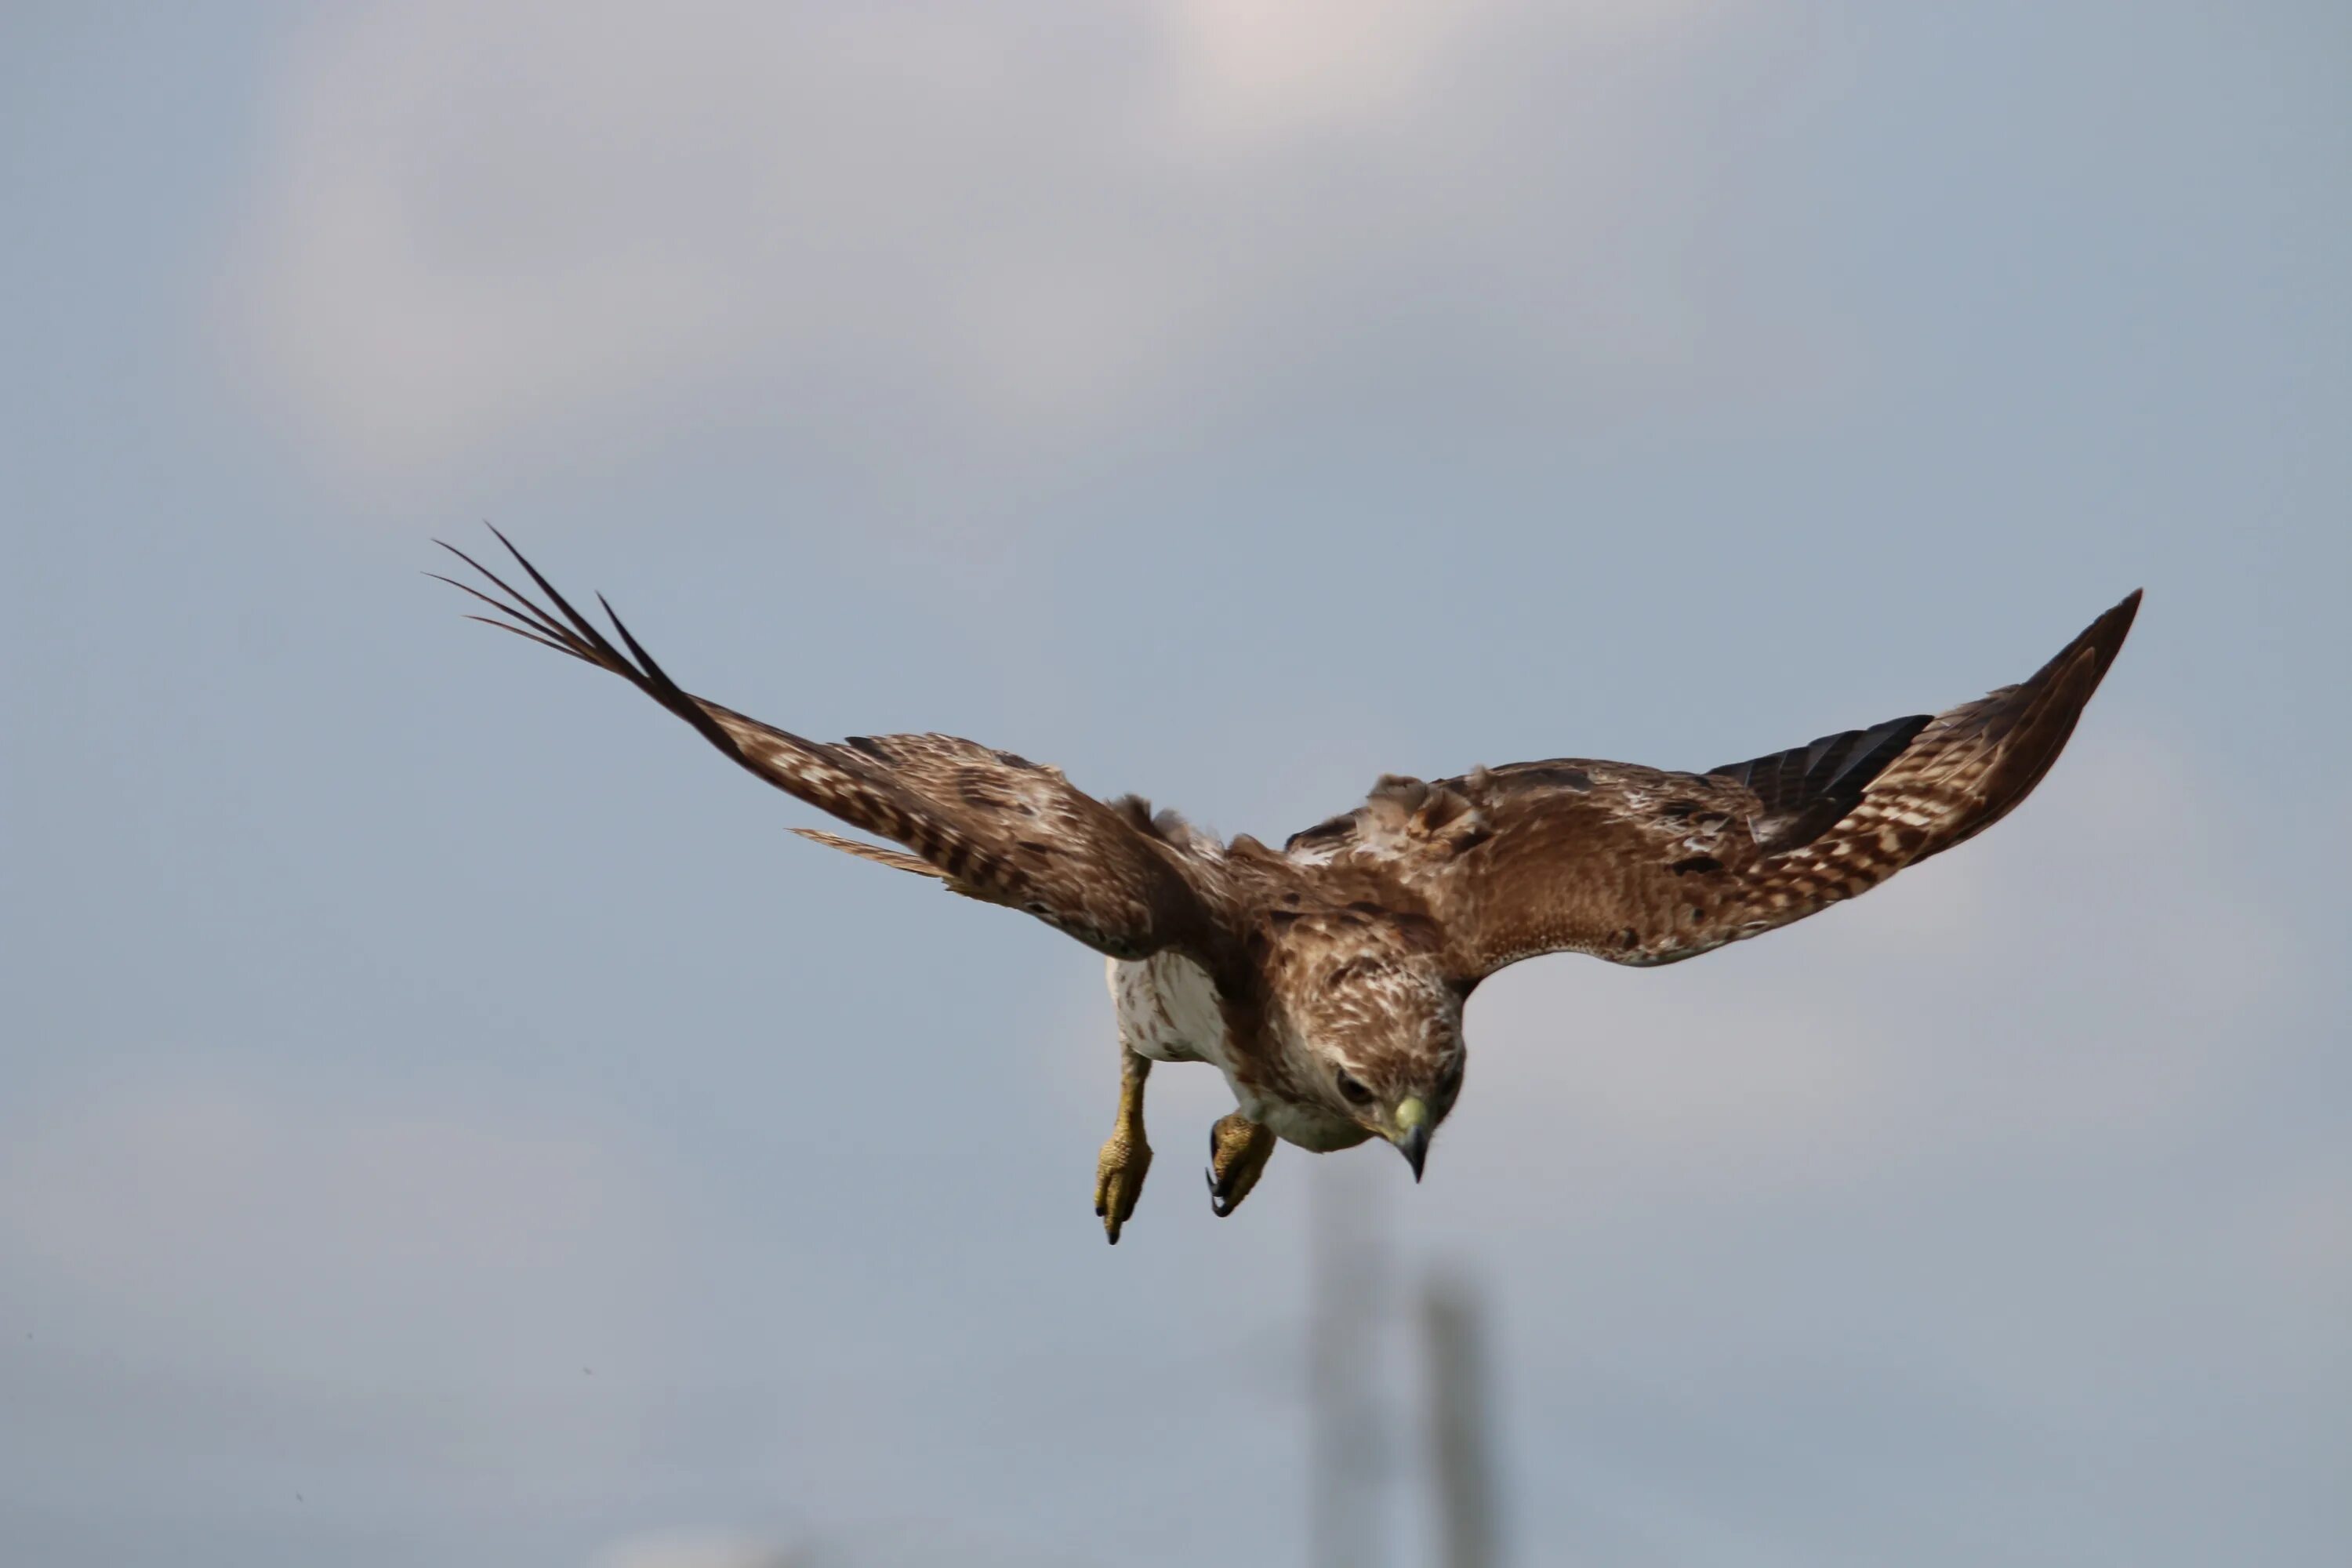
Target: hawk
(1326,979)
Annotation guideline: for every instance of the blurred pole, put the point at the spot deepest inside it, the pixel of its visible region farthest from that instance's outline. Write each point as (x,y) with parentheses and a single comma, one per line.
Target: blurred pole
(1343,1307)
(1460,1450)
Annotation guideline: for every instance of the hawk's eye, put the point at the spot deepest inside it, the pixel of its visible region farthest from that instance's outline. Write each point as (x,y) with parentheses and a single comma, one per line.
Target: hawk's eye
(1451,1078)
(1353,1092)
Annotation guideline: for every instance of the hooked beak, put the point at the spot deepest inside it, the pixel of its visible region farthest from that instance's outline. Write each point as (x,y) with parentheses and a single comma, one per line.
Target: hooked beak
(1412,1135)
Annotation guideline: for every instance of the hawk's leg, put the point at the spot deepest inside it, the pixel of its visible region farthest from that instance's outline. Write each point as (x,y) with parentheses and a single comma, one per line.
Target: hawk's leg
(1238,1150)
(1118,1173)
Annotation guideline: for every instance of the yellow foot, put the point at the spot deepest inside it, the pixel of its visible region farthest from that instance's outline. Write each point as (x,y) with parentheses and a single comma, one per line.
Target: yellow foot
(1118,1179)
(1238,1150)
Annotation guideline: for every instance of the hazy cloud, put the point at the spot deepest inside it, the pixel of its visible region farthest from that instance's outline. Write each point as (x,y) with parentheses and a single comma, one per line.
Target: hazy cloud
(306,1238)
(698,1550)
(491,223)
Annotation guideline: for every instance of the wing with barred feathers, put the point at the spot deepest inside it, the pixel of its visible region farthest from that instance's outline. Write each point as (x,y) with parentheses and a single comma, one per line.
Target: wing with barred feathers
(1641,866)
(990,824)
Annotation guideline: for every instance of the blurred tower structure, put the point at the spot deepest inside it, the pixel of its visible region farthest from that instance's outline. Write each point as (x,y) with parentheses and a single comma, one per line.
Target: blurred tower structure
(1458,1423)
(1347,1261)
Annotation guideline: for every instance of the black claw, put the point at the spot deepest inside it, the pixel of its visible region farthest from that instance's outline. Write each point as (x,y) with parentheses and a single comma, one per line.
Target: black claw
(1218,1197)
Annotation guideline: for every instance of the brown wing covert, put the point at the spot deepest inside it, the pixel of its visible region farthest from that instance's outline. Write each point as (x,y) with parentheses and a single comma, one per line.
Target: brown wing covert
(1642,866)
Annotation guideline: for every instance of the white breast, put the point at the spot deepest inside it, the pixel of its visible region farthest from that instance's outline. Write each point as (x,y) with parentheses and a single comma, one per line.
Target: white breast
(1168,1009)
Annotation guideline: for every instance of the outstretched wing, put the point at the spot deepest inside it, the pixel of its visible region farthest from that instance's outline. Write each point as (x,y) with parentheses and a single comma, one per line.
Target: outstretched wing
(1641,866)
(990,824)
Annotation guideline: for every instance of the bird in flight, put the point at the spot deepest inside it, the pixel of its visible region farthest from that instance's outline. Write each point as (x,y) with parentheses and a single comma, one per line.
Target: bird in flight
(1326,979)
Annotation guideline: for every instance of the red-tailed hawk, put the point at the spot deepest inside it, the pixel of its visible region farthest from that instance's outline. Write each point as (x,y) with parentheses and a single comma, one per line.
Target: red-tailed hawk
(1326,979)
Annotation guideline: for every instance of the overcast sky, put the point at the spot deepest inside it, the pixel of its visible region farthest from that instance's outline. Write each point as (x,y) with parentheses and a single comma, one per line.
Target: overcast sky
(445,1118)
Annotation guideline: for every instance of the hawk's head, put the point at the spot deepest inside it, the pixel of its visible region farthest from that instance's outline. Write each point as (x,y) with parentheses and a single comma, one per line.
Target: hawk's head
(1375,1037)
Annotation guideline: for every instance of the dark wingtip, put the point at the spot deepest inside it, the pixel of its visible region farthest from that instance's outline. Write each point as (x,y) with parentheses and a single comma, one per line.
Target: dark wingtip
(2105,636)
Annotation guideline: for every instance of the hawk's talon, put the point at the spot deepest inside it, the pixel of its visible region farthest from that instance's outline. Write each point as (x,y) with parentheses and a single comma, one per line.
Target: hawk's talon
(1126,1157)
(1119,1181)
(1238,1150)
(1218,1203)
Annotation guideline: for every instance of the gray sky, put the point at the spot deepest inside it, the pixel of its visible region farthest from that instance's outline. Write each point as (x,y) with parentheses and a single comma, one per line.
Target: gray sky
(449,1121)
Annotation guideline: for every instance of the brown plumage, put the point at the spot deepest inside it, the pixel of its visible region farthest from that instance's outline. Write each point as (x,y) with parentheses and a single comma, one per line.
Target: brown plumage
(1641,866)
(1326,979)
